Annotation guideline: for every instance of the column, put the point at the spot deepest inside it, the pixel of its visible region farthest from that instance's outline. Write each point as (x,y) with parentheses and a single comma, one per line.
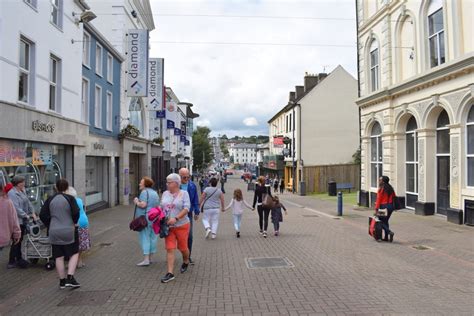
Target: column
(426,172)
(455,213)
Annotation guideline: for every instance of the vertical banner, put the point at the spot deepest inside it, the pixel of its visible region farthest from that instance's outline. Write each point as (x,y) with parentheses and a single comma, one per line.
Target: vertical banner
(137,63)
(155,84)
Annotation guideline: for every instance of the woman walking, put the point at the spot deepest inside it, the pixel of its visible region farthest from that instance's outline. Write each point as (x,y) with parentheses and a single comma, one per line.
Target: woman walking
(24,210)
(237,204)
(147,200)
(9,227)
(282,186)
(60,214)
(212,202)
(277,216)
(176,204)
(260,191)
(384,205)
(83,227)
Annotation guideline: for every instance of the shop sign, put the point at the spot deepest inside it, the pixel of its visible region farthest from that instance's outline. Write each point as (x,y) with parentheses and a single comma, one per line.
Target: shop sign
(137,63)
(177,132)
(12,154)
(98,146)
(137,148)
(187,143)
(155,84)
(170,124)
(161,114)
(39,126)
(42,155)
(182,139)
(272,164)
(289,164)
(278,141)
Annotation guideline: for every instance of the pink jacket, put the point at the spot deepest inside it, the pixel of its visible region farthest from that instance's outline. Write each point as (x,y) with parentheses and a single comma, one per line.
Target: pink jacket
(155,215)
(9,227)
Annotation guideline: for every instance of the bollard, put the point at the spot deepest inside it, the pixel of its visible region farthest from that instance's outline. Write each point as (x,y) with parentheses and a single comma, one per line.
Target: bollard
(339,203)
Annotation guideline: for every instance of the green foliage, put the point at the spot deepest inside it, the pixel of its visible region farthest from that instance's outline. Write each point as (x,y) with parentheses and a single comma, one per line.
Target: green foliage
(129,131)
(201,147)
(356,157)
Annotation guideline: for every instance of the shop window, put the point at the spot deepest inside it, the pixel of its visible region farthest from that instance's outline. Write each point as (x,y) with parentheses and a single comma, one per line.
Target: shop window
(411,162)
(470,147)
(436,33)
(442,134)
(376,155)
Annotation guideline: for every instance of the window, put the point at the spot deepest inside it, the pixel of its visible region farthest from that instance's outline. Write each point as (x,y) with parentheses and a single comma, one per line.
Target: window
(376,155)
(98,60)
(98,107)
(85,100)
(108,112)
(56,12)
(86,49)
(470,147)
(436,33)
(135,111)
(374,66)
(31,3)
(24,77)
(54,89)
(411,162)
(110,68)
(442,134)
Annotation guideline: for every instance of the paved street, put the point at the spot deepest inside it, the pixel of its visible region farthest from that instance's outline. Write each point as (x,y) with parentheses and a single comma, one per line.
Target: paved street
(337,269)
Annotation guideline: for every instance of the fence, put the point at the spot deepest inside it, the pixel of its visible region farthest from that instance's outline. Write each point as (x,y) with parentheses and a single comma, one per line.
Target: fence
(317,177)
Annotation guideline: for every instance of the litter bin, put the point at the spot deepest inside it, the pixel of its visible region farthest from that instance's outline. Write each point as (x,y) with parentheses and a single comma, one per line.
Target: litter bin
(302,188)
(332,188)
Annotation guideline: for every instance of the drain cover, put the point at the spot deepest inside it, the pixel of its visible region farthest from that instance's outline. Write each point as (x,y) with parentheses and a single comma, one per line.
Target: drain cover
(422,247)
(275,262)
(87,298)
(105,244)
(310,215)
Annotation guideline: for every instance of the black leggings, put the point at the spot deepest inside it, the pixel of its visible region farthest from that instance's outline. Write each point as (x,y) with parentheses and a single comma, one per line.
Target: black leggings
(263,214)
(15,250)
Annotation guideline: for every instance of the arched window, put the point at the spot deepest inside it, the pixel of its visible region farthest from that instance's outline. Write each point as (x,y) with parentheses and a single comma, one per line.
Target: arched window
(376,155)
(374,60)
(406,56)
(470,146)
(442,134)
(436,33)
(135,110)
(411,162)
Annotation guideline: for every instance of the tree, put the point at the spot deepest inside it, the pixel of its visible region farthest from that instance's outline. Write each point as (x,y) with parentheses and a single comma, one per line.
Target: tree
(202,149)
(224,137)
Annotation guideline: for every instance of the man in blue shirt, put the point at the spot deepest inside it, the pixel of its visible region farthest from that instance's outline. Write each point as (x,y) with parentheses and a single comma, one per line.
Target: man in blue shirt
(190,187)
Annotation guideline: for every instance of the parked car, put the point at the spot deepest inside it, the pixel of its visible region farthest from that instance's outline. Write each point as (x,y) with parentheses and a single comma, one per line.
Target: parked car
(229,172)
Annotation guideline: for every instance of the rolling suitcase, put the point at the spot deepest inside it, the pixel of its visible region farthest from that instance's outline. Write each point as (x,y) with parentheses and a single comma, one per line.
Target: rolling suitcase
(375,227)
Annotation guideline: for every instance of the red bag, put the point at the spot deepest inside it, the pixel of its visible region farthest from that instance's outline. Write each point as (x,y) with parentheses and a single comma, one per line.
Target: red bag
(375,228)
(139,223)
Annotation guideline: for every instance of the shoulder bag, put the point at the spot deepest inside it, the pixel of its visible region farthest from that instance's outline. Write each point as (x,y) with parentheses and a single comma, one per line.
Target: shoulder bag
(267,200)
(207,198)
(139,223)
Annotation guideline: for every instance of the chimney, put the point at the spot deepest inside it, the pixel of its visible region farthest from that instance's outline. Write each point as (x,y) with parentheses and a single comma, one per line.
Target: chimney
(310,81)
(322,75)
(292,96)
(299,91)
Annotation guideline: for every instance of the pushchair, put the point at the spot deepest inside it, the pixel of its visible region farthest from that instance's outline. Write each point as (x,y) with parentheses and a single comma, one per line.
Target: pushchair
(36,245)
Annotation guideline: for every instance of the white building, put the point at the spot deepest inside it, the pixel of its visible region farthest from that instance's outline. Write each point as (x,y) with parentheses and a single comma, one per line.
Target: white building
(42,131)
(243,153)
(416,82)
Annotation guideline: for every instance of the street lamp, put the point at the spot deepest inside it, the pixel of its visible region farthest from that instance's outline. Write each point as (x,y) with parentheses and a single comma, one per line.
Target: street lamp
(293,151)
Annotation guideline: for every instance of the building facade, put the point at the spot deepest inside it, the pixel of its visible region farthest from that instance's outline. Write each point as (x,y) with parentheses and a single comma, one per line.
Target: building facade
(416,84)
(42,133)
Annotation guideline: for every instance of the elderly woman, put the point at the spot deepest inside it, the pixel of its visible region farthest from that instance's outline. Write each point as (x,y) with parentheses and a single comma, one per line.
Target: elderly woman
(60,214)
(175,203)
(9,227)
(24,211)
(147,200)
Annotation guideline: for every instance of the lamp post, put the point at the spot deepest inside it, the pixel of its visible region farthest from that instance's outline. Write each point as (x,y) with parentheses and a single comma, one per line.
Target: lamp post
(293,151)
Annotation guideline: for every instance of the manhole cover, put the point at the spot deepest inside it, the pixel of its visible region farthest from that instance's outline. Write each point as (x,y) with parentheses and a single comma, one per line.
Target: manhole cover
(310,215)
(105,244)
(421,247)
(87,298)
(275,262)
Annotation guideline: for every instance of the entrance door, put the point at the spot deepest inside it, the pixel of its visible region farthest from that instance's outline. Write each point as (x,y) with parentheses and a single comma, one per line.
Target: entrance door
(443,184)
(134,175)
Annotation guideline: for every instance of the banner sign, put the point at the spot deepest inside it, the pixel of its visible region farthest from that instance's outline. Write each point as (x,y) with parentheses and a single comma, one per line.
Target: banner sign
(170,124)
(12,154)
(182,139)
(137,63)
(187,143)
(161,114)
(183,127)
(177,131)
(278,142)
(42,155)
(155,84)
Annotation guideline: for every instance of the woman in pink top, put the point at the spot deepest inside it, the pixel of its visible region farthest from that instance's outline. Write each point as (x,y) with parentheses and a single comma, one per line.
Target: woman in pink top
(9,227)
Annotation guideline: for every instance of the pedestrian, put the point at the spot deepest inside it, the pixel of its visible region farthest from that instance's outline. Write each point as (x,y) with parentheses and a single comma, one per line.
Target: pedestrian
(384,205)
(275,184)
(260,191)
(147,200)
(189,186)
(212,202)
(282,185)
(83,227)
(237,204)
(25,212)
(176,205)
(9,227)
(60,214)
(222,180)
(277,216)
(201,184)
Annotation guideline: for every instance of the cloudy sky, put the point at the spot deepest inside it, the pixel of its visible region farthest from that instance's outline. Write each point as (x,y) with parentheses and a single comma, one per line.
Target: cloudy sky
(212,60)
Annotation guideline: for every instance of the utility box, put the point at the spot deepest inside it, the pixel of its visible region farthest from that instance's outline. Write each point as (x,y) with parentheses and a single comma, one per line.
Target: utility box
(302,188)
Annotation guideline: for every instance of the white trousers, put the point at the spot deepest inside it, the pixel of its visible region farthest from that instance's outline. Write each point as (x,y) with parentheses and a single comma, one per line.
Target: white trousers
(210,219)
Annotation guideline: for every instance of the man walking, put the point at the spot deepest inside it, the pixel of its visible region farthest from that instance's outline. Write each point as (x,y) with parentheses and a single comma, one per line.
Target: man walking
(190,187)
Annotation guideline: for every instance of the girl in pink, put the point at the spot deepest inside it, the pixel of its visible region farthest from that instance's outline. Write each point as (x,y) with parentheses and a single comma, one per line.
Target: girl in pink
(237,204)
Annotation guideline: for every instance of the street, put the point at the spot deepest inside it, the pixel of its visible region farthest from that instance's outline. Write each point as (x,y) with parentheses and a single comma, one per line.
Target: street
(334,268)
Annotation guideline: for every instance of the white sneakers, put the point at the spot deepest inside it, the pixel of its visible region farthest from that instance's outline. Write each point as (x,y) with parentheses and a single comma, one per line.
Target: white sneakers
(144,263)
(208,232)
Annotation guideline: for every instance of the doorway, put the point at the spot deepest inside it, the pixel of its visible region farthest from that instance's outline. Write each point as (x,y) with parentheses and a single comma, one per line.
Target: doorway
(443,160)
(134,167)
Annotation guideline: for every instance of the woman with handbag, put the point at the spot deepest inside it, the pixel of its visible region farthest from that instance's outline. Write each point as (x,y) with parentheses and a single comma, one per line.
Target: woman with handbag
(176,204)
(147,200)
(384,205)
(212,202)
(264,201)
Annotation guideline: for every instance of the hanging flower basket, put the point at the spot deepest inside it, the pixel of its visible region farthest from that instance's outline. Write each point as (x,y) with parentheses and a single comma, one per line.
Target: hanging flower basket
(158,140)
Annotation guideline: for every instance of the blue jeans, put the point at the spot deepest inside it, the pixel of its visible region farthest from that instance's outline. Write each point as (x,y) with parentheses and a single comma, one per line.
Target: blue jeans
(385,219)
(237,221)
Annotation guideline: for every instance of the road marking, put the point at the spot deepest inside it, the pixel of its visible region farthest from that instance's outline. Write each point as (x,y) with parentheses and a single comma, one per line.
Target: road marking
(312,210)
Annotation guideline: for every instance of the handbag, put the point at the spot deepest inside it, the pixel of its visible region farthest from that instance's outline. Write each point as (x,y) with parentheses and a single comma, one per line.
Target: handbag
(267,201)
(139,223)
(207,198)
(164,227)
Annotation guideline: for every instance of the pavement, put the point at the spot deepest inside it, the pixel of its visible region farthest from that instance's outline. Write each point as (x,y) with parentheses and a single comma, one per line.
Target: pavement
(334,268)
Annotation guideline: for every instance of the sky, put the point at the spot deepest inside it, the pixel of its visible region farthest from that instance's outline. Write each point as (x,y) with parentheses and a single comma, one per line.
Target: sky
(213,61)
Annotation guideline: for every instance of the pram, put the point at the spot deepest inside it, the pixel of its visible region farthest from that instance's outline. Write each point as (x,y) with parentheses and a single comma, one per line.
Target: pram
(36,246)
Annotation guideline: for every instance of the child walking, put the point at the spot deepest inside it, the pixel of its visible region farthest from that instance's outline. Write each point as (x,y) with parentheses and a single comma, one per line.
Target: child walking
(237,204)
(277,216)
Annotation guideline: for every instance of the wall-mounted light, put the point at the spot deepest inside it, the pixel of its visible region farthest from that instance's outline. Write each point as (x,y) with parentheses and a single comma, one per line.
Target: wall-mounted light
(83,17)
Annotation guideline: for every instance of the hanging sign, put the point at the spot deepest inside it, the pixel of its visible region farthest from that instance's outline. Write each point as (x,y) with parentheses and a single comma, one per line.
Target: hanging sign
(182,139)
(183,127)
(137,63)
(170,124)
(155,84)
(161,114)
(187,143)
(177,132)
